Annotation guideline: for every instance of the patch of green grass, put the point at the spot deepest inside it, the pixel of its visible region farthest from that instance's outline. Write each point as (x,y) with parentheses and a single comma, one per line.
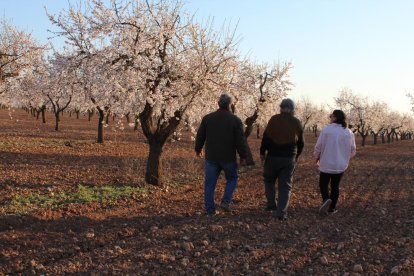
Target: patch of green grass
(84,194)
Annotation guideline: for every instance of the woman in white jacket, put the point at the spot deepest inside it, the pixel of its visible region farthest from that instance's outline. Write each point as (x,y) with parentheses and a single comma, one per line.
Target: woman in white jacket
(333,150)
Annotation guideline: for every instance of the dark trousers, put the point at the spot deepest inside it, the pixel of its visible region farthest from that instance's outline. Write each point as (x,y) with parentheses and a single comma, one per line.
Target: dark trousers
(334,180)
(280,169)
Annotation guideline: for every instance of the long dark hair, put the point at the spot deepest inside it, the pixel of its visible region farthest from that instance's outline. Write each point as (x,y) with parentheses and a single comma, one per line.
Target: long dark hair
(340,117)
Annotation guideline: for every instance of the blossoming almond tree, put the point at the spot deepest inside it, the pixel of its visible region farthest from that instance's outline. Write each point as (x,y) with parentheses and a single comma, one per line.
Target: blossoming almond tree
(305,111)
(29,91)
(257,90)
(19,52)
(377,111)
(358,110)
(168,61)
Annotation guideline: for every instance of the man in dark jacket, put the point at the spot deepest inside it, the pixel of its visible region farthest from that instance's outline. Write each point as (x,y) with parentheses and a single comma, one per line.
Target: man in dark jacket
(222,133)
(282,143)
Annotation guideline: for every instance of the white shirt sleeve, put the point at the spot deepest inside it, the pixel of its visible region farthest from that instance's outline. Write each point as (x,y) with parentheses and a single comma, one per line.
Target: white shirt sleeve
(319,145)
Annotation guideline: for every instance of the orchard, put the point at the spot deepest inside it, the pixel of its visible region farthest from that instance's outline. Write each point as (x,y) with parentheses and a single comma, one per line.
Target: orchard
(98,170)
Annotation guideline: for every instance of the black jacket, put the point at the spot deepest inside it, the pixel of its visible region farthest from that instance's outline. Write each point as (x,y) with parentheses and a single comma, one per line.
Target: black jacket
(222,134)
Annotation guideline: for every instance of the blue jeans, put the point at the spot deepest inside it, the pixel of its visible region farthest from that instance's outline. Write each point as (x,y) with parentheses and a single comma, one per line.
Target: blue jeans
(212,172)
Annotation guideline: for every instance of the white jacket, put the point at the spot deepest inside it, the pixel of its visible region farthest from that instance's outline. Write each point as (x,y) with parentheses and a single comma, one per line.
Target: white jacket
(334,148)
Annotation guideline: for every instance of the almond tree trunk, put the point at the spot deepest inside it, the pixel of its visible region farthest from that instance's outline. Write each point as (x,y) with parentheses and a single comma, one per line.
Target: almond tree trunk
(157,134)
(90,113)
(249,128)
(153,174)
(57,121)
(100,125)
(43,115)
(375,138)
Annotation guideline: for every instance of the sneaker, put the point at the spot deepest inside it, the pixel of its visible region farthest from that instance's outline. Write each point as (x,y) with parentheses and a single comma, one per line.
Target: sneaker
(225,207)
(332,211)
(324,208)
(271,208)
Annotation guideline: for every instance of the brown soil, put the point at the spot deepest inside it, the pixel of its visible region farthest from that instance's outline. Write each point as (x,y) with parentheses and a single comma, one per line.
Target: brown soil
(165,231)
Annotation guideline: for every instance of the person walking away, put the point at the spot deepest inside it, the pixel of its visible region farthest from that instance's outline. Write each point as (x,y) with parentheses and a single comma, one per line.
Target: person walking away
(222,133)
(333,150)
(282,144)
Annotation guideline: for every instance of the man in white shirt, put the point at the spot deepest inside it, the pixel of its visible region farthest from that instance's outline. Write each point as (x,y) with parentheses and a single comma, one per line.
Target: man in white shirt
(333,150)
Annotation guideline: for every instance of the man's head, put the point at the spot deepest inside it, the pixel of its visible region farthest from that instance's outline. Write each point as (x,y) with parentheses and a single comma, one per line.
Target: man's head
(224,101)
(287,106)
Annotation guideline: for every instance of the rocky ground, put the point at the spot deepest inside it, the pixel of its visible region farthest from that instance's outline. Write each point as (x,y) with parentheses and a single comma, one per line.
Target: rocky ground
(155,231)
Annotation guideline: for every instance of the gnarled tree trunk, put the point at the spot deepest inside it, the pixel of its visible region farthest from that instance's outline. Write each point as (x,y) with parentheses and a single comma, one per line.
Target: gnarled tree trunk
(157,134)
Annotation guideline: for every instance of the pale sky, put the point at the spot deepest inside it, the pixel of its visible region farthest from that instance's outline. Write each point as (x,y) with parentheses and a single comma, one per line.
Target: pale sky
(367,46)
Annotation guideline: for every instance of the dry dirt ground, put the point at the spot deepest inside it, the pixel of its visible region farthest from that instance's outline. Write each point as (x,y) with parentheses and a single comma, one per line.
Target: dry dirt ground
(158,231)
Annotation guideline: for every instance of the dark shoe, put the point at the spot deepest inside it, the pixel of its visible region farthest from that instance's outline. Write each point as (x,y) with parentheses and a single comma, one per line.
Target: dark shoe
(325,206)
(271,208)
(332,211)
(211,213)
(225,207)
(282,218)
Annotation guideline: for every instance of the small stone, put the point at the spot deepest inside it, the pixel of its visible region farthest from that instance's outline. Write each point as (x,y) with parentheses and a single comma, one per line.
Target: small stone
(77,248)
(205,242)
(186,238)
(340,246)
(185,261)
(324,260)
(187,246)
(90,235)
(197,254)
(153,228)
(40,267)
(33,263)
(296,232)
(358,268)
(395,270)
(164,258)
(259,227)
(217,228)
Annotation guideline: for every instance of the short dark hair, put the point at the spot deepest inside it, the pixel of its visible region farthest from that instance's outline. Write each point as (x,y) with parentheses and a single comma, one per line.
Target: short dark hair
(287,106)
(224,101)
